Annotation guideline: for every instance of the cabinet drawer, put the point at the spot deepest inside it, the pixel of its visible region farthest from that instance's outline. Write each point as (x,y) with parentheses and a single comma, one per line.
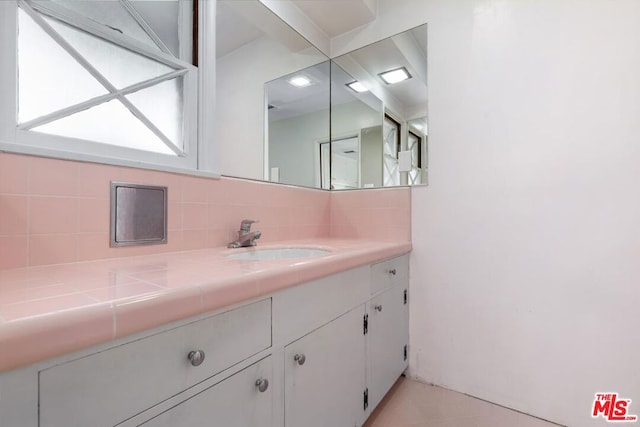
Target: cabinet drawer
(106,388)
(234,402)
(389,273)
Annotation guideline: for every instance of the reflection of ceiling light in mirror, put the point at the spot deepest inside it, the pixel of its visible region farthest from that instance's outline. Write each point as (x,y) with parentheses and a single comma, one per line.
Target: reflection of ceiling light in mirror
(357,87)
(395,76)
(299,81)
(418,126)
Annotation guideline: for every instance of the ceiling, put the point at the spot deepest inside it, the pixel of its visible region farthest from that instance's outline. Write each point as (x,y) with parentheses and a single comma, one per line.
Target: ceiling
(241,22)
(335,17)
(233,30)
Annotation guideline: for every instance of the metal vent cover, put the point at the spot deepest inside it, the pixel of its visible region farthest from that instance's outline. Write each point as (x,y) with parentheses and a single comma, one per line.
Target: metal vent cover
(138,214)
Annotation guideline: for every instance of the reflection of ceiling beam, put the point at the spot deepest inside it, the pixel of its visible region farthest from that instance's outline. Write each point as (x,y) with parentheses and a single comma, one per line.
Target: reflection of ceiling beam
(267,22)
(350,14)
(409,48)
(303,24)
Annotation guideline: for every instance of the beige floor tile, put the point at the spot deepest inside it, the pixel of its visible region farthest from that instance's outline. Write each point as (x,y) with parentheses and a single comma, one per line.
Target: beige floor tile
(413,404)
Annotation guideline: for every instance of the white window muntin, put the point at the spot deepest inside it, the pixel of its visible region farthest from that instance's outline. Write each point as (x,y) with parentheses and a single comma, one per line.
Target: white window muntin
(18,139)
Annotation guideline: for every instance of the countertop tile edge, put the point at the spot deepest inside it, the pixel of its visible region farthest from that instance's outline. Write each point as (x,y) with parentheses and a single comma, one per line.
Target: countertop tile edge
(31,340)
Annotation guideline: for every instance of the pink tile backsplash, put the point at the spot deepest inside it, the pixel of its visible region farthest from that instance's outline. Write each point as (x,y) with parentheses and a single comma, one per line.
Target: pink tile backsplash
(13,251)
(13,220)
(52,248)
(50,215)
(94,180)
(57,211)
(382,214)
(14,173)
(53,177)
(194,216)
(93,215)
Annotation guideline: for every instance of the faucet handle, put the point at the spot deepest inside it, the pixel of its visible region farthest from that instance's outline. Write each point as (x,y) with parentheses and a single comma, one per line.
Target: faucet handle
(245,225)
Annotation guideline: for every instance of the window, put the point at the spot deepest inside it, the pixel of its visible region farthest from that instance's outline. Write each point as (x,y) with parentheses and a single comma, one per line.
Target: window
(94,79)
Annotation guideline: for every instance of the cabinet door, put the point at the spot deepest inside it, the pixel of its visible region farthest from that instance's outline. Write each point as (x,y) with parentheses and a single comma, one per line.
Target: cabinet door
(327,389)
(235,402)
(387,338)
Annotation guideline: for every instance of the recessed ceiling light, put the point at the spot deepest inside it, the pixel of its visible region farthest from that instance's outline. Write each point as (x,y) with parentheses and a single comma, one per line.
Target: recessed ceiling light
(357,87)
(395,76)
(299,81)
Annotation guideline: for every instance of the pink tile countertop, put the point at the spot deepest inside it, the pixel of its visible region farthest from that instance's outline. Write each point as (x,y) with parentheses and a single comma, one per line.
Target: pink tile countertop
(53,310)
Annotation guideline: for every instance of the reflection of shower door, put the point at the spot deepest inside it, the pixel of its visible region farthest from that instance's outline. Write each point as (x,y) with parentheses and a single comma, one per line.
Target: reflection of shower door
(341,169)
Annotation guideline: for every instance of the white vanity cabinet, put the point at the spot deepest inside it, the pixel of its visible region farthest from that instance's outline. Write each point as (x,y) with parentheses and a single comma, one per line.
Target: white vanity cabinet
(351,362)
(322,353)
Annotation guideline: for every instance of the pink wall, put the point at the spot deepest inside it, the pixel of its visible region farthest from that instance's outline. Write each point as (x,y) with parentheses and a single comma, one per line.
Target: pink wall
(56,211)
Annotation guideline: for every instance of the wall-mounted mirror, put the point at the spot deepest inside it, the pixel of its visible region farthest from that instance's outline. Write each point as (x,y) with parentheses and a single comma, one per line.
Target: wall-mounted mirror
(254,47)
(298,126)
(285,112)
(356,134)
(377,130)
(313,145)
(388,123)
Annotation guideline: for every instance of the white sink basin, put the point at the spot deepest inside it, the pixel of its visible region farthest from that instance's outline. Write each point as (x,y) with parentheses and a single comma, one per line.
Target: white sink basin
(282,253)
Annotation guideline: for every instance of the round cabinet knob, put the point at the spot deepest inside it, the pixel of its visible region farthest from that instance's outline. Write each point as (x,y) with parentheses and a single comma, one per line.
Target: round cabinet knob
(196,357)
(392,272)
(377,307)
(262,385)
(300,358)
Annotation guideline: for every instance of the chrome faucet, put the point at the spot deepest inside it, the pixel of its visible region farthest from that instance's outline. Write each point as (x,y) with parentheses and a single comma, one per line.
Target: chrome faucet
(246,237)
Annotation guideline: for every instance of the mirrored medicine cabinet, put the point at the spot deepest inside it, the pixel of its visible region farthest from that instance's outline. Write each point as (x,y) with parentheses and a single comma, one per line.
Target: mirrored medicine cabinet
(331,124)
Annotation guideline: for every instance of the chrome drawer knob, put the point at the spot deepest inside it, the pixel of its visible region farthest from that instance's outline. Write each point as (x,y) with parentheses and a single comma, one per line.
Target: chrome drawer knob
(196,357)
(392,272)
(262,385)
(377,307)
(300,358)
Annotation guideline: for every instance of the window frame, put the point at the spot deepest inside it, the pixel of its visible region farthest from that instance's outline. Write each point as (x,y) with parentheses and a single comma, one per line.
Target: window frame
(398,127)
(419,143)
(17,140)
(418,167)
(391,177)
